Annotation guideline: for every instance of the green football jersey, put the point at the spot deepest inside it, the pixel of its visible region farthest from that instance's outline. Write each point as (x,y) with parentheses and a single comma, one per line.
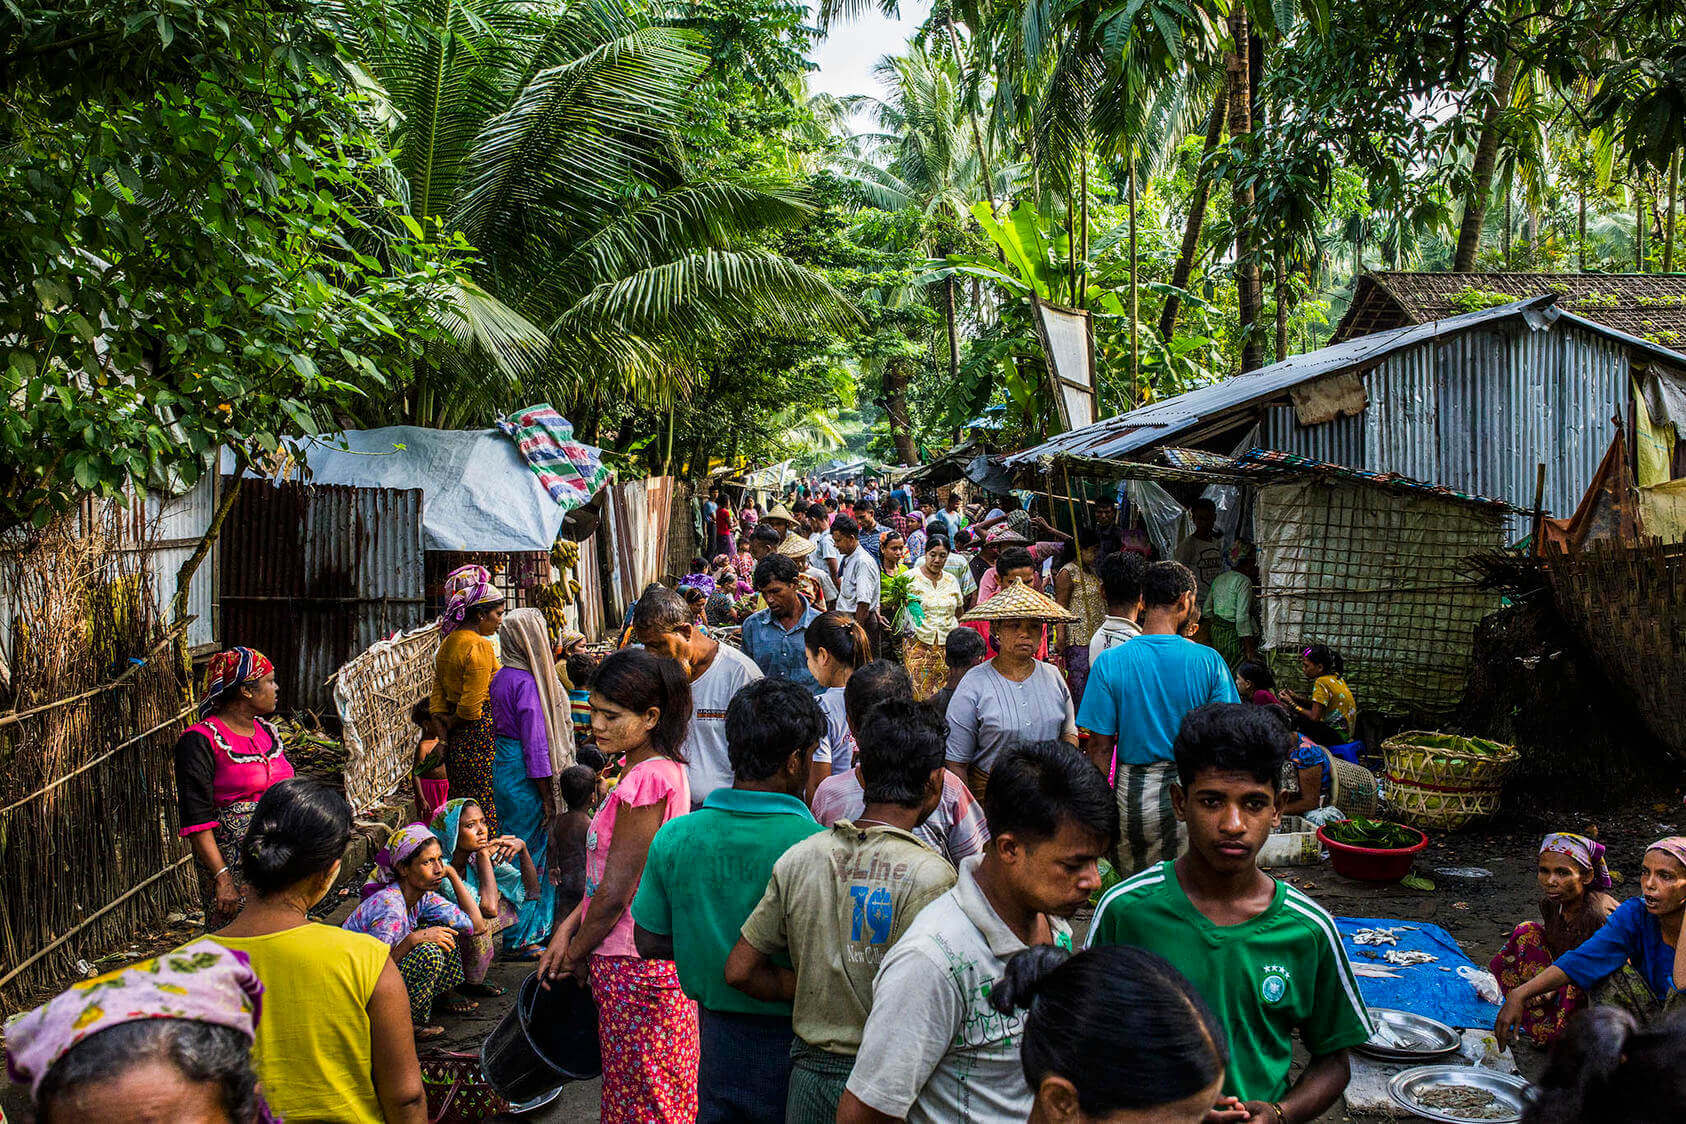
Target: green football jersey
(1281,971)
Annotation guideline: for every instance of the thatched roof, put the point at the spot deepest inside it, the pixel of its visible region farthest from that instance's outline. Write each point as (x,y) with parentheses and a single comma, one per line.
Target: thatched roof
(1651,306)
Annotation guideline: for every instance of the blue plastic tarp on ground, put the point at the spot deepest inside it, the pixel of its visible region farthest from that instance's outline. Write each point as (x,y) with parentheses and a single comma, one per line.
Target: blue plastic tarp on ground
(1422,988)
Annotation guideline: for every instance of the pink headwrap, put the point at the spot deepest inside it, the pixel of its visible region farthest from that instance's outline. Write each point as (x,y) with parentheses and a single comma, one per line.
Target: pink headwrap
(1586,853)
(466,587)
(1674,846)
(202,982)
(400,845)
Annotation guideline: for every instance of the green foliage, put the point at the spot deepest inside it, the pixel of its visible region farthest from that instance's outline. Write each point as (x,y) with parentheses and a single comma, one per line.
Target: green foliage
(202,241)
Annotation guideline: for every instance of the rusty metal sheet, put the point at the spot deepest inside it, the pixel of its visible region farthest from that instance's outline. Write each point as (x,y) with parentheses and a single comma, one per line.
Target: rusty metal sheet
(313,574)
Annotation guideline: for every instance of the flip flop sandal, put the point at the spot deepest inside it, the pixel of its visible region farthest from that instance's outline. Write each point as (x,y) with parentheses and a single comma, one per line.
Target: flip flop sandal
(530,952)
(458,1005)
(428,1033)
(483,990)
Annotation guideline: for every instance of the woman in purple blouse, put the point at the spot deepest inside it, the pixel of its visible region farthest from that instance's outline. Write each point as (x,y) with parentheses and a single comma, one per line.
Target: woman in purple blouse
(535,742)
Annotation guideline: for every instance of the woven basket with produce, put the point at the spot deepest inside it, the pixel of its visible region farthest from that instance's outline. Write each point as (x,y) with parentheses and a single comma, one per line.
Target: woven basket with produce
(1445,781)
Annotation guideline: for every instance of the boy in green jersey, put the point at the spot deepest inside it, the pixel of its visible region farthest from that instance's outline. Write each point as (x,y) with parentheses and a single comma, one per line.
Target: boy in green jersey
(1266,958)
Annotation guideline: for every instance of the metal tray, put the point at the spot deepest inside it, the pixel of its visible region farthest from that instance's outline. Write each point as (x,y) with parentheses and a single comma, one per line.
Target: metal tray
(1508,1090)
(1416,1038)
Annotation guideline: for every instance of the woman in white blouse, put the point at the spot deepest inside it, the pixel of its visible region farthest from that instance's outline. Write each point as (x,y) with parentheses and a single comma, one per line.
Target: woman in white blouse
(940,599)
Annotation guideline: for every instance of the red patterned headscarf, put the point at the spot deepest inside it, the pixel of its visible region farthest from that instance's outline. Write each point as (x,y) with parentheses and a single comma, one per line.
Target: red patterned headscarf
(229,671)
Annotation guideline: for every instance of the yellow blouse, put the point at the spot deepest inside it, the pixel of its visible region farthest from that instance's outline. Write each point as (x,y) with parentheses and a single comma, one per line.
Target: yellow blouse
(462,675)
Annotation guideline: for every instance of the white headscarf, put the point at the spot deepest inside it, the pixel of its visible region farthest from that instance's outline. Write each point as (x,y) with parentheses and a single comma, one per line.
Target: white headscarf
(525,643)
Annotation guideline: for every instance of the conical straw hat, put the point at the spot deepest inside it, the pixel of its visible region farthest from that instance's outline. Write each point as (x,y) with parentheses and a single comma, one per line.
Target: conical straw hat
(780,511)
(1018,602)
(796,546)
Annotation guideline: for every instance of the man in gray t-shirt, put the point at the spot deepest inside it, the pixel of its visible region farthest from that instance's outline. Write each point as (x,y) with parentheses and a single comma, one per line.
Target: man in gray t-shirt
(661,622)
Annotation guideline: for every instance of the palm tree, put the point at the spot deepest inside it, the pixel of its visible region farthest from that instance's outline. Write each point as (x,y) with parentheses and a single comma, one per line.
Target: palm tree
(546,137)
(924,157)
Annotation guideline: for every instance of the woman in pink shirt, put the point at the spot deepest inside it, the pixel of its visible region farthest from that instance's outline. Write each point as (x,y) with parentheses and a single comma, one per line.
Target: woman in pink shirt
(640,706)
(224,763)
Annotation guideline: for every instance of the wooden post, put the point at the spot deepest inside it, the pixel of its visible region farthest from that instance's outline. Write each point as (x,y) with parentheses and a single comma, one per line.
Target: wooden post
(1539,508)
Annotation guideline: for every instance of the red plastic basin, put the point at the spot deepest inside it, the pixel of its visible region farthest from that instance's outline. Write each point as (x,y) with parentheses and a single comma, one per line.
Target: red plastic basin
(1371,864)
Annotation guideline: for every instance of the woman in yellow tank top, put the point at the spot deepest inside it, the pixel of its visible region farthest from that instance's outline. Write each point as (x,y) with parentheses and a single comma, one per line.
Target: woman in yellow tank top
(336,1042)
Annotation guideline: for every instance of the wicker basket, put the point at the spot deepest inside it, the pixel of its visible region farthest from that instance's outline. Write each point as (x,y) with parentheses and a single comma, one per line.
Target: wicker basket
(1445,781)
(1353,789)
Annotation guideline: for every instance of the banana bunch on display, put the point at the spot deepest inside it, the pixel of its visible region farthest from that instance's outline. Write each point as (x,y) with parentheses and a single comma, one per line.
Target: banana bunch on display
(565,554)
(549,599)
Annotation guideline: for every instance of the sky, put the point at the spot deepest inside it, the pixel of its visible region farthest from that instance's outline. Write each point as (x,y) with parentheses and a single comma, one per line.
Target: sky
(847,56)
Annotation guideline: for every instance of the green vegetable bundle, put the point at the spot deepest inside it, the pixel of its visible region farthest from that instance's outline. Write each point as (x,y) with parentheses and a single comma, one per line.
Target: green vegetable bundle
(1376,834)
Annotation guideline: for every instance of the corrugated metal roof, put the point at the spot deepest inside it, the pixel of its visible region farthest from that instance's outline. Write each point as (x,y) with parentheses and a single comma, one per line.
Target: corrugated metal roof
(1159,422)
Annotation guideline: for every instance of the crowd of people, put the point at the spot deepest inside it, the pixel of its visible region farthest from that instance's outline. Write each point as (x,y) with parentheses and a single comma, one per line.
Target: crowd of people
(813,837)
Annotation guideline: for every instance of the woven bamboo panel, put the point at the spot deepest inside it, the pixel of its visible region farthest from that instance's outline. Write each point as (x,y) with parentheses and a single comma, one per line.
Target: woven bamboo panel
(1628,605)
(374,693)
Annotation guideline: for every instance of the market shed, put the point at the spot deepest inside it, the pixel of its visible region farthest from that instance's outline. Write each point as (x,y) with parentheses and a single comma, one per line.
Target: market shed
(1475,402)
(1375,565)
(1651,306)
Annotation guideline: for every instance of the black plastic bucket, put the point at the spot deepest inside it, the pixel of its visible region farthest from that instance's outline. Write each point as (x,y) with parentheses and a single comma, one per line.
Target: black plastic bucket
(546,1040)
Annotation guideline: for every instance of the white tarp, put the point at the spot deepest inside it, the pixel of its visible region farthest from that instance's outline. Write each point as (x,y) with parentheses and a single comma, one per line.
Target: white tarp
(477,491)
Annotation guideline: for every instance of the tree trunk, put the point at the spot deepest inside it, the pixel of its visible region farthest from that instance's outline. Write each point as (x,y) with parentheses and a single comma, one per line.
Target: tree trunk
(1281,310)
(1481,171)
(1135,287)
(972,116)
(953,332)
(1196,212)
(202,550)
(1248,284)
(895,401)
(1580,223)
(1668,221)
(1638,227)
(1505,238)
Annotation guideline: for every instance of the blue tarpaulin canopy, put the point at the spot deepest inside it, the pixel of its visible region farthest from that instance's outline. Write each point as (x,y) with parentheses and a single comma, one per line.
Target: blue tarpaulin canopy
(478,492)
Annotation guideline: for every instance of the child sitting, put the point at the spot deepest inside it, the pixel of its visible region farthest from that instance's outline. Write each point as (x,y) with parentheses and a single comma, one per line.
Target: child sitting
(432,787)
(578,787)
(1256,683)
(1330,716)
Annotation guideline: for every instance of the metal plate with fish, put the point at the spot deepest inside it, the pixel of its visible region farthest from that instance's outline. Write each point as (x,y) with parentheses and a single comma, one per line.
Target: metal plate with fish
(1402,1036)
(1459,1094)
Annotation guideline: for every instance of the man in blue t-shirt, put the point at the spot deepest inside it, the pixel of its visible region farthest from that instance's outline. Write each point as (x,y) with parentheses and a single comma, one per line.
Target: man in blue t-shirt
(1135,701)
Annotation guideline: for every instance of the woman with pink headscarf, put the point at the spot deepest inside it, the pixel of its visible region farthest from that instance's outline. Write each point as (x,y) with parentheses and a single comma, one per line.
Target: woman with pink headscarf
(1629,961)
(171,1035)
(1573,879)
(462,685)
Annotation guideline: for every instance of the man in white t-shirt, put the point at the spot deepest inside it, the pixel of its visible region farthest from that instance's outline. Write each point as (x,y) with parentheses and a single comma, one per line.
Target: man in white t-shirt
(1121,581)
(936,1051)
(860,585)
(662,623)
(825,548)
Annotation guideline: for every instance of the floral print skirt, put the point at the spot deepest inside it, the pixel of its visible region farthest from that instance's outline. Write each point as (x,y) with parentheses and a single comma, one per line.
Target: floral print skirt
(230,831)
(469,752)
(926,666)
(648,1031)
(1523,957)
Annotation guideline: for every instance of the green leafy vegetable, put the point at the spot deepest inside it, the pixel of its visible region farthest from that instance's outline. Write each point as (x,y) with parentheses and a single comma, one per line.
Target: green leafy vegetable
(1372,833)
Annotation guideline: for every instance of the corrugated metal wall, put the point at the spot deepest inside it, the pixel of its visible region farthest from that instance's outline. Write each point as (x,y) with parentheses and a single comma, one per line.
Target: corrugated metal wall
(168,529)
(1478,411)
(312,575)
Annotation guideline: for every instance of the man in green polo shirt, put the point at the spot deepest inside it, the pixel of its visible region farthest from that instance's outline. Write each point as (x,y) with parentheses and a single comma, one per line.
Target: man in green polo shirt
(704,875)
(1265,957)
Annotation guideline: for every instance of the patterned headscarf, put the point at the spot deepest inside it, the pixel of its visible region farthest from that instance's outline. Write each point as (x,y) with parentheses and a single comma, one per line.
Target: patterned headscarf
(1674,846)
(525,641)
(466,587)
(1586,853)
(228,672)
(202,982)
(400,845)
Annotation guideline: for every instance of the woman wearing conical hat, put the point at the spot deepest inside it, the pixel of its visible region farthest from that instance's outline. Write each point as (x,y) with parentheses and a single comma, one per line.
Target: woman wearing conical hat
(1013,698)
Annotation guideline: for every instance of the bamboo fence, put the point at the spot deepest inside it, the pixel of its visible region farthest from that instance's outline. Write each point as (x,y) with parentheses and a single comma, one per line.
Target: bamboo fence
(92,709)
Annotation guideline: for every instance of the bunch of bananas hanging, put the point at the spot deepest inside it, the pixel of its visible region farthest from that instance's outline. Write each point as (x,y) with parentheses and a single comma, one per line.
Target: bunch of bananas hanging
(549,599)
